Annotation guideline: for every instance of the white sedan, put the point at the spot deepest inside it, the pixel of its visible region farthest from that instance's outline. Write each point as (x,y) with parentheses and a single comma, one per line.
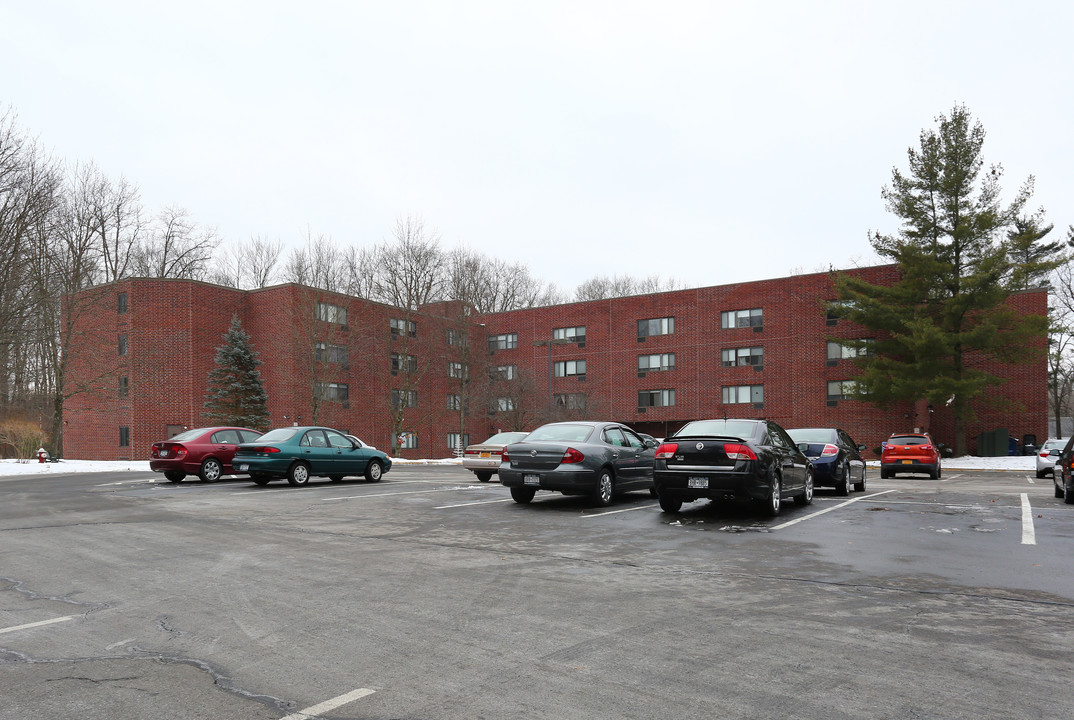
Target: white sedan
(1048,454)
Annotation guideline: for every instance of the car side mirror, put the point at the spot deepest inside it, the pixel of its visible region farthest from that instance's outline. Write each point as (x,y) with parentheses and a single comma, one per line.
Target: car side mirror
(803,447)
(1054,451)
(650,443)
(862,447)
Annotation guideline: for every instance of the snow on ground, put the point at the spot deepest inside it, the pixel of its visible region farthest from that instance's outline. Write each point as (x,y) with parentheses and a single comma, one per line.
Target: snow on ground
(33,467)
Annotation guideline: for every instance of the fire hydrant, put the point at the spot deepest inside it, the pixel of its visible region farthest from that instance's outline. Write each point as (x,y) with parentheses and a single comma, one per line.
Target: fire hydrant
(42,455)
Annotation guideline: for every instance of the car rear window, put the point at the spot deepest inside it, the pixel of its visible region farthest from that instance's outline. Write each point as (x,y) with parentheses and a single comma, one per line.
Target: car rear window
(188,435)
(560,433)
(721,428)
(908,440)
(278,435)
(504,438)
(812,435)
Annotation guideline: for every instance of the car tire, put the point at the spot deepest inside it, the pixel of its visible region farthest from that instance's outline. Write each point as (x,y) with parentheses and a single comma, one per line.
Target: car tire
(261,479)
(483,475)
(174,476)
(1068,496)
(772,504)
(884,473)
(298,474)
(806,497)
(844,489)
(1058,490)
(374,471)
(522,495)
(1041,474)
(211,470)
(670,505)
(860,486)
(604,492)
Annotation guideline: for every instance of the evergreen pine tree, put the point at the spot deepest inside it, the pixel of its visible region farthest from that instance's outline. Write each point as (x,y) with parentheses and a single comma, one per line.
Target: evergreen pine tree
(948,311)
(236,394)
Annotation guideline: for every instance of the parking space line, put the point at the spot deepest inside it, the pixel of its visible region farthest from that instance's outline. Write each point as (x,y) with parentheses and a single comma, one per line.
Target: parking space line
(479,502)
(1029,535)
(1031,480)
(329,705)
(828,510)
(393,483)
(615,512)
(389,494)
(37,624)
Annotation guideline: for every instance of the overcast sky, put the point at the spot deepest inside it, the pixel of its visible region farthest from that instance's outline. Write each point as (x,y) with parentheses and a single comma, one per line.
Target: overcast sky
(711,142)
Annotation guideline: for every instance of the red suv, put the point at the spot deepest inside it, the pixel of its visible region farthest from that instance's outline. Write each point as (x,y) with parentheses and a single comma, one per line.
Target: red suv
(205,452)
(910,452)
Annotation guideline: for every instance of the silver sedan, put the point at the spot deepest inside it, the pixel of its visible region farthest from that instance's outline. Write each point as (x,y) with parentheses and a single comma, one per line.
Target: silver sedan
(1048,454)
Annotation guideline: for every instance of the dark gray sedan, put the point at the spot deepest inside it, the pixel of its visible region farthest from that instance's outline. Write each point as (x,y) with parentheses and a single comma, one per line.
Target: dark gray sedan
(598,459)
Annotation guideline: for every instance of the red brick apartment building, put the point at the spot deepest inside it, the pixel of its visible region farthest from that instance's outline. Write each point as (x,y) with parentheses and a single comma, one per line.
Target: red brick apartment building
(423,381)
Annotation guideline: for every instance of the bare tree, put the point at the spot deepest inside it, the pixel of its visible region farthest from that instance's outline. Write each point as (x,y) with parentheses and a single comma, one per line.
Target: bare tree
(411,269)
(118,220)
(603,287)
(174,247)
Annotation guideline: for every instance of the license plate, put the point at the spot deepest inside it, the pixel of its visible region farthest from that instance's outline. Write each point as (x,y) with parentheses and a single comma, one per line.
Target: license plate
(164,453)
(698,482)
(531,479)
(244,467)
(485,455)
(907,462)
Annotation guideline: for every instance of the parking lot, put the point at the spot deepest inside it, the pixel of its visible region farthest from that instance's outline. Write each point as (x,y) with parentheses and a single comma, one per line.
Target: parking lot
(432,596)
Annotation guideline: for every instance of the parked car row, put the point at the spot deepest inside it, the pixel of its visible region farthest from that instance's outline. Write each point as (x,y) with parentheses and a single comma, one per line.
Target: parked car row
(292,453)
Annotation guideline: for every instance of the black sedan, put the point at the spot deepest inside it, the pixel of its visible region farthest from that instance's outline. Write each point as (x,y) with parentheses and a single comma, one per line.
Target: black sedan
(727,459)
(598,459)
(837,460)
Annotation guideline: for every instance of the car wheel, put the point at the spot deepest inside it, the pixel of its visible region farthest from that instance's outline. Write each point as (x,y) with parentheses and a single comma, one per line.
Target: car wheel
(335,478)
(771,504)
(374,471)
(844,489)
(260,479)
(1058,490)
(522,495)
(884,473)
(860,487)
(211,470)
(298,474)
(174,476)
(807,496)
(1040,474)
(670,505)
(483,475)
(604,492)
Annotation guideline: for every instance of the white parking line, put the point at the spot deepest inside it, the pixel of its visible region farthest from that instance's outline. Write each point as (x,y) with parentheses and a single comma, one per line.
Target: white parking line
(479,502)
(1031,480)
(389,494)
(329,705)
(828,510)
(393,483)
(1029,535)
(615,512)
(37,624)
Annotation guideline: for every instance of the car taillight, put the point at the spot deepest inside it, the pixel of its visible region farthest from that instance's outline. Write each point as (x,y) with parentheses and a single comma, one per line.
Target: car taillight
(572,456)
(829,450)
(265,449)
(179,450)
(735,451)
(506,457)
(926,448)
(471,452)
(666,451)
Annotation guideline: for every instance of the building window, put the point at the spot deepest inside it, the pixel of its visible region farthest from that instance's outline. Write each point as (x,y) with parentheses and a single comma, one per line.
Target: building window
(403,327)
(124,436)
(656,398)
(404,398)
(571,334)
(743,394)
(122,345)
(454,337)
(326,352)
(842,389)
(124,386)
(503,372)
(743,356)
(753,317)
(405,440)
(337,392)
(454,402)
(503,342)
(656,326)
(838,351)
(503,404)
(407,363)
(458,370)
(121,303)
(566,368)
(571,401)
(332,313)
(655,363)
(458,441)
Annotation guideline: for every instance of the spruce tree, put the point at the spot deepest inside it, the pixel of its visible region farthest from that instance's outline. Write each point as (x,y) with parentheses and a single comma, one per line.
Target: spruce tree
(948,310)
(236,394)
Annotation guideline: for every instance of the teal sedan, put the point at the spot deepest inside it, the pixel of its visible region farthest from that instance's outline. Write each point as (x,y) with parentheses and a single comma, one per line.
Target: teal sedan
(299,453)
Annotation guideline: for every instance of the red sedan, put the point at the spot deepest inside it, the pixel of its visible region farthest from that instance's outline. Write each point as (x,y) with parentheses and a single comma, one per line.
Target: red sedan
(910,452)
(205,452)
